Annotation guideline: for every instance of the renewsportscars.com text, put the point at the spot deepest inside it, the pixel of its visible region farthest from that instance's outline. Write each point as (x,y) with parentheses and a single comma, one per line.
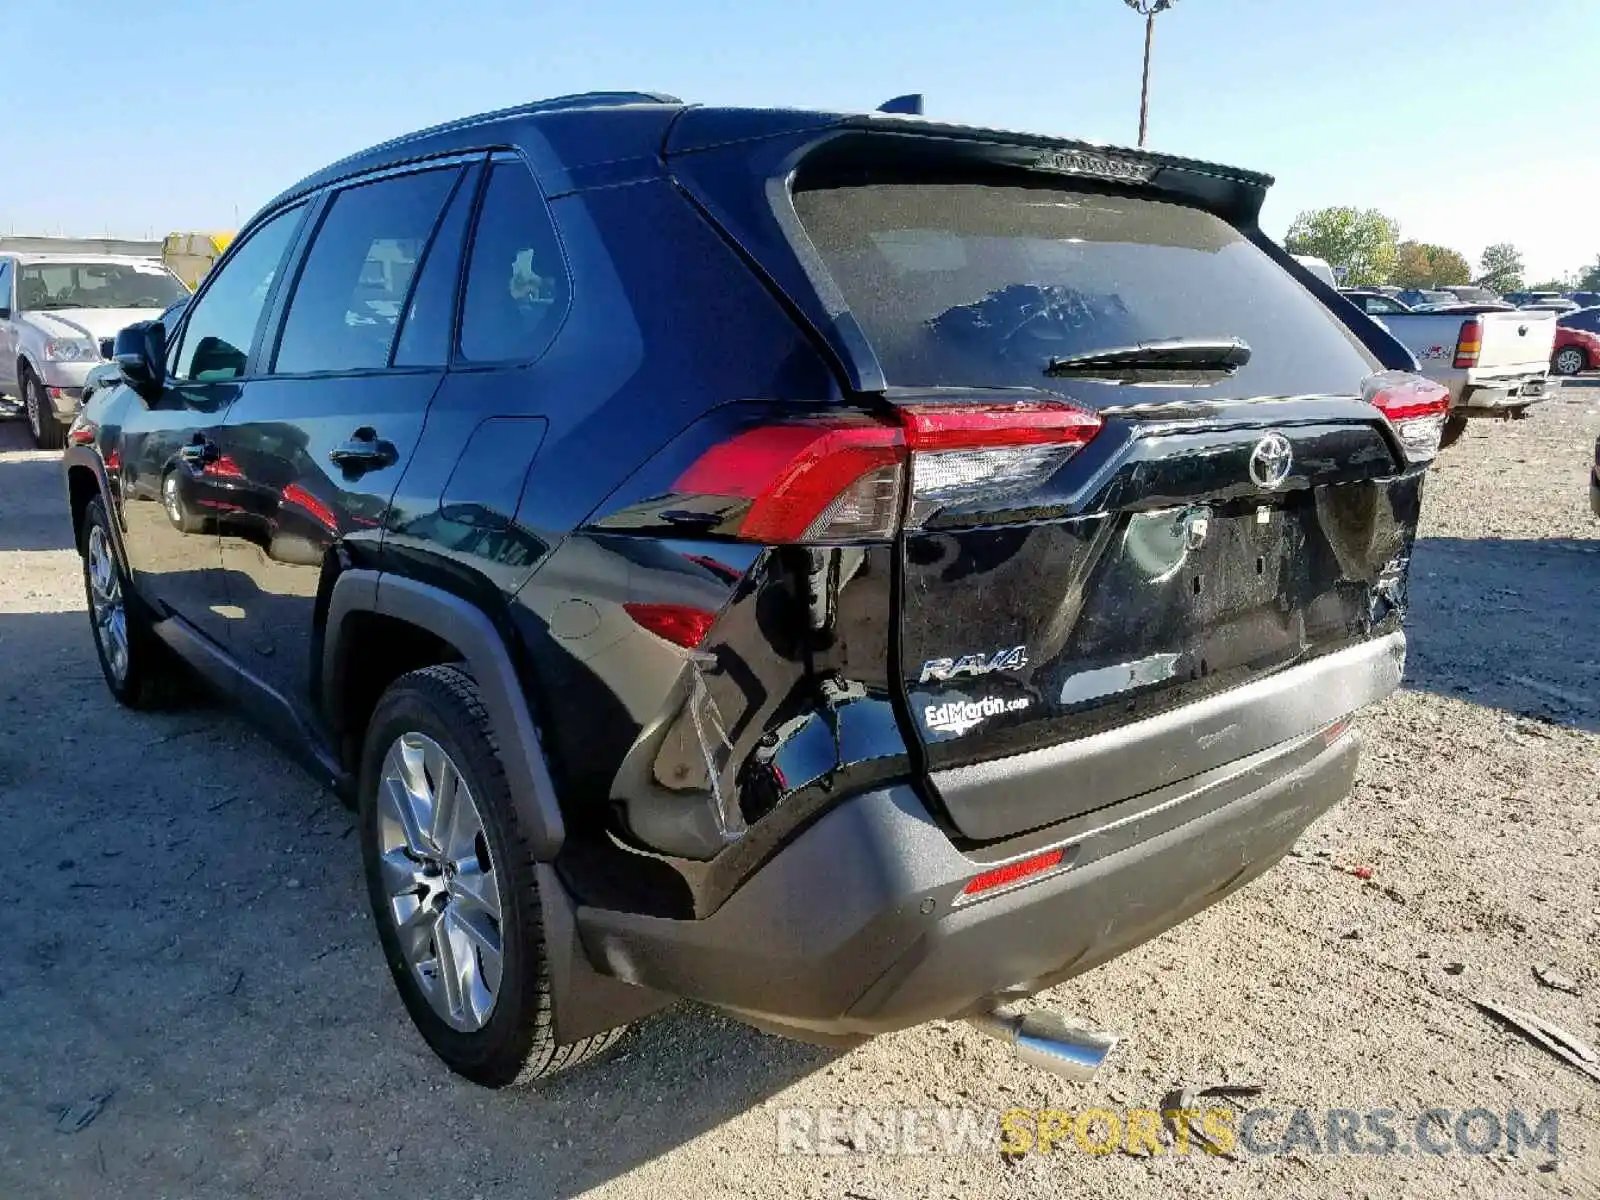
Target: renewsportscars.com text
(1215,1130)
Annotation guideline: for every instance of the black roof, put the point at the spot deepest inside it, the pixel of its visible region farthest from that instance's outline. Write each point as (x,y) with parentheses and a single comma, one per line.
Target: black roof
(562,135)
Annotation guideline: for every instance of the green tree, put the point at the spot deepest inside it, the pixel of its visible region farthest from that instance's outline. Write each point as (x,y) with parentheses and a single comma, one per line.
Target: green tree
(1502,268)
(1589,277)
(1424,265)
(1360,240)
(1449,267)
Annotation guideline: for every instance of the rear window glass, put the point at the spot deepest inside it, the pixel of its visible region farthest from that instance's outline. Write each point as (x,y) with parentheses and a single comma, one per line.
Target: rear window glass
(981,286)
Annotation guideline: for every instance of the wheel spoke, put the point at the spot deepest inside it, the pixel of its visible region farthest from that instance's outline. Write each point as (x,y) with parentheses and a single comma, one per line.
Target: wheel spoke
(447,784)
(474,888)
(417,924)
(478,957)
(454,960)
(399,807)
(400,872)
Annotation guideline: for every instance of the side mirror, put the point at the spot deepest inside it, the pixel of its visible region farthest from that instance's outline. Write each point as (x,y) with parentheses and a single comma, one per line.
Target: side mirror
(5,313)
(141,355)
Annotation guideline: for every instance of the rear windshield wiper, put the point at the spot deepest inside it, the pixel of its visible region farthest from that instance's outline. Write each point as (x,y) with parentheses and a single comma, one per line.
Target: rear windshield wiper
(1164,359)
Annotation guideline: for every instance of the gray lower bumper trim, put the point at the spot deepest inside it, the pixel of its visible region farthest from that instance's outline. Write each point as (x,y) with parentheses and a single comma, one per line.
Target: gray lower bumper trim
(1005,796)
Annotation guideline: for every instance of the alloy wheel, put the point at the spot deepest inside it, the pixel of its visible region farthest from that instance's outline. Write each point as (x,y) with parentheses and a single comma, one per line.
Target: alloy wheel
(1569,361)
(440,881)
(106,607)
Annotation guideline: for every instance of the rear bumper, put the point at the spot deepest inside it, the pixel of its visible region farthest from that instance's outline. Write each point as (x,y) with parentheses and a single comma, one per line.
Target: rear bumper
(1000,797)
(859,927)
(1512,391)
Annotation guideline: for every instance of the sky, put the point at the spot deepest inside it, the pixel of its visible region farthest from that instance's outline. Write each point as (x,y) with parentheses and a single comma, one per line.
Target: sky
(1465,120)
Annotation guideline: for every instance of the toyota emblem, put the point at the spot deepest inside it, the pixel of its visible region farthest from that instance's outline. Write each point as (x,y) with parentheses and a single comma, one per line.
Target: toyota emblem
(1270,460)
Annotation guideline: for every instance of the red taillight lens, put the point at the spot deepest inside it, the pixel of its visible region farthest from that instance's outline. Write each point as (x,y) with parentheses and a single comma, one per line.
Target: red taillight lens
(817,480)
(1416,408)
(981,426)
(1014,872)
(1469,342)
(842,479)
(677,623)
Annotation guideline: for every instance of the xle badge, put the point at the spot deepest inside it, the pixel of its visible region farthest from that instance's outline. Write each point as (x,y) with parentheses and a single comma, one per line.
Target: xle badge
(970,666)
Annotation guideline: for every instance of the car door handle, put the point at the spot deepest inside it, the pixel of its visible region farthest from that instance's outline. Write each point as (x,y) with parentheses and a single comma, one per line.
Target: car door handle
(364,451)
(199,451)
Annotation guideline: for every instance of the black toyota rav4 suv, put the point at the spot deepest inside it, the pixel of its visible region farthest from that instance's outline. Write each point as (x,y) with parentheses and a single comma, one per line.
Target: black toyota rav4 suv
(846,569)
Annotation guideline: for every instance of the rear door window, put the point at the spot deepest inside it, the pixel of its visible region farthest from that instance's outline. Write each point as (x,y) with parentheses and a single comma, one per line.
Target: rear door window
(516,288)
(981,286)
(357,275)
(430,314)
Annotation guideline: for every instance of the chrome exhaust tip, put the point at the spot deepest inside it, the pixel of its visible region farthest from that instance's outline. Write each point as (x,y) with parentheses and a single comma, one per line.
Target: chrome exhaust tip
(1045,1040)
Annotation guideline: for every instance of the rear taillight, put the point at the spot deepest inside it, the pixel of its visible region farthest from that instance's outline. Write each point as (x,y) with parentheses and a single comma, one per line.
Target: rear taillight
(842,479)
(1469,342)
(1416,408)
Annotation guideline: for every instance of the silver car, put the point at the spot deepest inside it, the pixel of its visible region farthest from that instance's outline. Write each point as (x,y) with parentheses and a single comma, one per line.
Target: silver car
(58,316)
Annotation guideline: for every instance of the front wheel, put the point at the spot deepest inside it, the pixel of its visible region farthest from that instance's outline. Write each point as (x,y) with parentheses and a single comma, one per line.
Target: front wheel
(139,669)
(47,432)
(1568,360)
(452,887)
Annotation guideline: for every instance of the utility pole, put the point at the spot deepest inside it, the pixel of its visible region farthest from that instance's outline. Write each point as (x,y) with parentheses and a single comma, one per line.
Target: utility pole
(1148,10)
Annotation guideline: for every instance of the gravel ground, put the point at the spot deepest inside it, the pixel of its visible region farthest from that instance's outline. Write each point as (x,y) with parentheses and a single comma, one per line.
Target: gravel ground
(188,959)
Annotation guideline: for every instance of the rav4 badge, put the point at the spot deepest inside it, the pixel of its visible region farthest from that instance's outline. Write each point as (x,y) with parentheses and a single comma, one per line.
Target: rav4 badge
(941,670)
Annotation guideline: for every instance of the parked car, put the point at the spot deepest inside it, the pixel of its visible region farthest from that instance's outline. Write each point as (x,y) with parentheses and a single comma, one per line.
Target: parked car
(1494,363)
(1523,299)
(1472,294)
(749,575)
(1586,299)
(1318,267)
(1577,346)
(57,318)
(109,373)
(1558,305)
(1374,303)
(1418,297)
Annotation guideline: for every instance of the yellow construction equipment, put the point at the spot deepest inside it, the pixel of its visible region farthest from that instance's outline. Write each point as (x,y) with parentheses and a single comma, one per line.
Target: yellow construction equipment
(190,255)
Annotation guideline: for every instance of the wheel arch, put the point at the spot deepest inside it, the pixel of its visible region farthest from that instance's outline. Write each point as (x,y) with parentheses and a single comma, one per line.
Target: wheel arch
(86,479)
(467,633)
(584,1000)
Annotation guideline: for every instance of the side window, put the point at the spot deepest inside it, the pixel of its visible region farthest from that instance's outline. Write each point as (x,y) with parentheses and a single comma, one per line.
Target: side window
(425,335)
(217,338)
(357,274)
(5,283)
(516,280)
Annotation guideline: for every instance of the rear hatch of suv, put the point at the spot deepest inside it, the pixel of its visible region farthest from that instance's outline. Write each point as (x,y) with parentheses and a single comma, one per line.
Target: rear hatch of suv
(1145,470)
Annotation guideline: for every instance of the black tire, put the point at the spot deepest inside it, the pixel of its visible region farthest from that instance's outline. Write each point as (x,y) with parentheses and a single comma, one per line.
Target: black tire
(1569,360)
(151,677)
(1454,426)
(47,432)
(516,1043)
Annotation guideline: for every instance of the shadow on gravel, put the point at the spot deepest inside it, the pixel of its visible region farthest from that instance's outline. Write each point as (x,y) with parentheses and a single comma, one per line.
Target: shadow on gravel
(33,506)
(1508,624)
(196,979)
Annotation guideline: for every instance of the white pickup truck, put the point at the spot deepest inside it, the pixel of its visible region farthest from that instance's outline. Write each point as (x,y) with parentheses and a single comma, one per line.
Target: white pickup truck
(1494,362)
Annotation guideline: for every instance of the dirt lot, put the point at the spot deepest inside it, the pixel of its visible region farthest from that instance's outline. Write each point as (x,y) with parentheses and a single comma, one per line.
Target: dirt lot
(188,960)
